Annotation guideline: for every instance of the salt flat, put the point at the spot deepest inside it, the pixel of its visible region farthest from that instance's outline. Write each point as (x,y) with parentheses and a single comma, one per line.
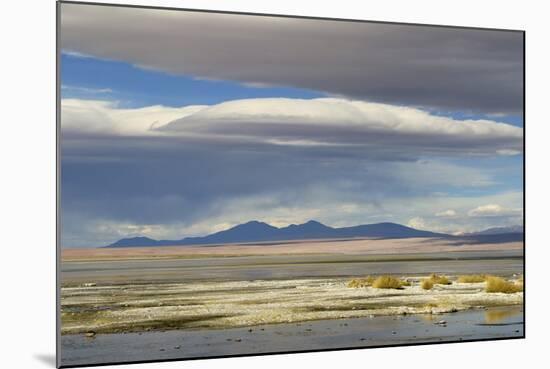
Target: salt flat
(116,293)
(206,305)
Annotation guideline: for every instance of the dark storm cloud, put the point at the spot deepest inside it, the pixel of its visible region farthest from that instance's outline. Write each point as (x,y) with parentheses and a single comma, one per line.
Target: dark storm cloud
(162,180)
(442,68)
(118,171)
(154,181)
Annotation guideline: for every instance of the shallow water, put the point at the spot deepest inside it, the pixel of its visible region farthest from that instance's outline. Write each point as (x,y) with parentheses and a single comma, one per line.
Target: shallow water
(290,267)
(493,323)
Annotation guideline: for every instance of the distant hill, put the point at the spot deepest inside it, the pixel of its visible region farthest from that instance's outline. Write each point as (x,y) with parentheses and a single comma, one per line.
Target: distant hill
(492,235)
(135,242)
(499,230)
(255,231)
(488,238)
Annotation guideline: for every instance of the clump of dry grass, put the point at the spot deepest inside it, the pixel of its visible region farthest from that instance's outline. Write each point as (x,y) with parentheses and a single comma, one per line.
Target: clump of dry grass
(472,278)
(387,281)
(427,284)
(361,282)
(497,284)
(439,279)
(405,283)
(519,282)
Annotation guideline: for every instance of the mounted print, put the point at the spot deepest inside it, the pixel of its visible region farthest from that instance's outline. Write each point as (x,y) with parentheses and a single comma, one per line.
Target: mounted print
(241,184)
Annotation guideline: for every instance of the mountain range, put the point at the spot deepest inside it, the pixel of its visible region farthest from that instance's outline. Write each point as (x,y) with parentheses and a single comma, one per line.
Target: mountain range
(498,230)
(255,231)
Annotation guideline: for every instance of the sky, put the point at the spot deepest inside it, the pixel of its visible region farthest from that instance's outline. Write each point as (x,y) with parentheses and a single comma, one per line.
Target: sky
(177,124)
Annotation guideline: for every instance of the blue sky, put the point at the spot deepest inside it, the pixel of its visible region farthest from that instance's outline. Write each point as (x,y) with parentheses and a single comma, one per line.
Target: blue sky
(92,78)
(170,132)
(87,77)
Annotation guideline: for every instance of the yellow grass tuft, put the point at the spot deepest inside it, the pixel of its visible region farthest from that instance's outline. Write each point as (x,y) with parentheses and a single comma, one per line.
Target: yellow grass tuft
(379,282)
(361,282)
(472,278)
(405,283)
(387,281)
(439,279)
(427,284)
(497,284)
(519,282)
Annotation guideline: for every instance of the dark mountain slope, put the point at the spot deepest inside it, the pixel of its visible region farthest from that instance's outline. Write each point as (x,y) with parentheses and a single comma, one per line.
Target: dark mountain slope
(255,231)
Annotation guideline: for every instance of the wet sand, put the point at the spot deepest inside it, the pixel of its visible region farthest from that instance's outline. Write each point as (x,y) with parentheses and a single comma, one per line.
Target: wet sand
(475,324)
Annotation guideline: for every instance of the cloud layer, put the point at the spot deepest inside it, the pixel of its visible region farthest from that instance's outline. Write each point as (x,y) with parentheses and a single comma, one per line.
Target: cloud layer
(330,121)
(326,124)
(442,68)
(106,118)
(495,210)
(173,172)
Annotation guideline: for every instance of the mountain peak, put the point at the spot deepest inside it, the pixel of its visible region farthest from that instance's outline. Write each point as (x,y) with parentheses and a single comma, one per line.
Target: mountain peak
(133,241)
(314,222)
(499,230)
(390,224)
(252,224)
(257,231)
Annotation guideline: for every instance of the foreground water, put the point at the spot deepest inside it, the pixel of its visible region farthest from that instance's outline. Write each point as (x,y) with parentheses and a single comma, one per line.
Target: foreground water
(475,324)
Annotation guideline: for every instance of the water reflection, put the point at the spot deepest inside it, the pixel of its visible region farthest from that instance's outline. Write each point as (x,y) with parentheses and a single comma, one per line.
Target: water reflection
(498,316)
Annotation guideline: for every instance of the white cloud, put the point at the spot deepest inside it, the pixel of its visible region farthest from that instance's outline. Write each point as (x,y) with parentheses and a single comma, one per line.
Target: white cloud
(86,89)
(342,112)
(331,121)
(495,210)
(386,129)
(446,213)
(76,54)
(417,223)
(508,152)
(426,208)
(106,117)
